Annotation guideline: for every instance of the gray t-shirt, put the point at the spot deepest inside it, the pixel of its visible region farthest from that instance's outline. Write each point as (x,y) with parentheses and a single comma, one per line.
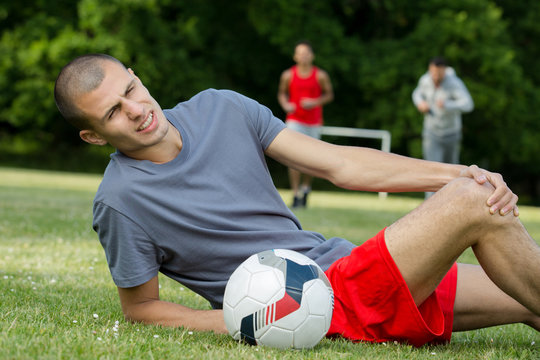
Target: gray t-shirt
(197,217)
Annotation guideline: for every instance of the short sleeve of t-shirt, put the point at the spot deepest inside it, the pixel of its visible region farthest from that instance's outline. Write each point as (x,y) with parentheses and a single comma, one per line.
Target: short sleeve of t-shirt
(128,247)
(265,123)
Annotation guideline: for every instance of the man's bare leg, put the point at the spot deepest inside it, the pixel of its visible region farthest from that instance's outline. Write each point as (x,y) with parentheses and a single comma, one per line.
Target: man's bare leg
(426,242)
(306,181)
(294,179)
(480,303)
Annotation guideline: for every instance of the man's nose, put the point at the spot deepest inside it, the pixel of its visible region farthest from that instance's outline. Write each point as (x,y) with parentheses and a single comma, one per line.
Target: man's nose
(133,109)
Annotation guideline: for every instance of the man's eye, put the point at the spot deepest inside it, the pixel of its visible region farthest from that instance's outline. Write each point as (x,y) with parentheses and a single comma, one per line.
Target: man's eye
(111,114)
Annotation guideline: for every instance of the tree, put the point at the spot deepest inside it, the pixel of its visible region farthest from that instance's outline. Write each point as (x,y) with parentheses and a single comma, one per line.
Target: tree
(374,51)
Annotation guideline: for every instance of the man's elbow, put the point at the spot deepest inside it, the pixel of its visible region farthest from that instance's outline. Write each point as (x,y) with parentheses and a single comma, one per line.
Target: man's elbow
(131,315)
(130,319)
(137,313)
(342,178)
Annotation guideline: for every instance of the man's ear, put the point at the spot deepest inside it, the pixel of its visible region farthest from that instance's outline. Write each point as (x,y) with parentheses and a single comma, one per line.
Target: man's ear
(92,137)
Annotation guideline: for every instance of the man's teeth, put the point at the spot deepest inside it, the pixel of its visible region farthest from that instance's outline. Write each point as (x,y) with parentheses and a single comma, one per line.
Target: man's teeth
(147,122)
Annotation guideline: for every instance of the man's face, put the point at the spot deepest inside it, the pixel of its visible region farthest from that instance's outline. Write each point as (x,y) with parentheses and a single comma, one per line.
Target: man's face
(303,55)
(437,73)
(123,113)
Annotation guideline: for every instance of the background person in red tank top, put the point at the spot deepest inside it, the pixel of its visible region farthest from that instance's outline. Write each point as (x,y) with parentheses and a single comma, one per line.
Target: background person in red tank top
(303,90)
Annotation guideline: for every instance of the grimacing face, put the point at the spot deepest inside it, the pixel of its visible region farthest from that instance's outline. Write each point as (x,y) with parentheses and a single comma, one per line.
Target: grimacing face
(123,113)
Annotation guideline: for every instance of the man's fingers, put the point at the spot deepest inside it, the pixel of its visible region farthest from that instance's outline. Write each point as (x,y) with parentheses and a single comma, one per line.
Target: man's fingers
(503,200)
(512,205)
(476,173)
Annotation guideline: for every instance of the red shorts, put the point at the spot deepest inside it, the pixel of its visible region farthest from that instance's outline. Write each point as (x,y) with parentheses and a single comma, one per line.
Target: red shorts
(372,301)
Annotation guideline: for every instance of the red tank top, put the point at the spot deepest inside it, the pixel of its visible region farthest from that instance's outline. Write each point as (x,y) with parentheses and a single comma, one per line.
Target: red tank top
(305,88)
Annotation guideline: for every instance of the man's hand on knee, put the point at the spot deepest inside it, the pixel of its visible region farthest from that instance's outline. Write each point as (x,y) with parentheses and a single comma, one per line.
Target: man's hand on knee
(503,200)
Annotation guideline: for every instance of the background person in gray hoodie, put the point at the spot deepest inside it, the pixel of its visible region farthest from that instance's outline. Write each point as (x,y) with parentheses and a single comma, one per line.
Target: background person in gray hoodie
(441,96)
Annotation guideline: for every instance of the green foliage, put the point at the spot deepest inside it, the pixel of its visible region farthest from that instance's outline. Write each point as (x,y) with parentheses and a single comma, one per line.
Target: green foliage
(374,51)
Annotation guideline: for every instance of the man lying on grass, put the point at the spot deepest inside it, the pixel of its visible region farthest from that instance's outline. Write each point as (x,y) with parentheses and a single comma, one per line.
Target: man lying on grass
(188,194)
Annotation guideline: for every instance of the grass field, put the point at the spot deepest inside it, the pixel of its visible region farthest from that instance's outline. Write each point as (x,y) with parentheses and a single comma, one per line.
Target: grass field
(57,300)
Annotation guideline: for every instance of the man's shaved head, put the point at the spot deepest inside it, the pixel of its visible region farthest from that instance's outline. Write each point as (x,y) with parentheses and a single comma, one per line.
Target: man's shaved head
(80,76)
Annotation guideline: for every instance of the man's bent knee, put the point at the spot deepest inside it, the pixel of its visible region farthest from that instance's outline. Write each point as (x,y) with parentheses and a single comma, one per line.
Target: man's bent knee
(466,190)
(469,198)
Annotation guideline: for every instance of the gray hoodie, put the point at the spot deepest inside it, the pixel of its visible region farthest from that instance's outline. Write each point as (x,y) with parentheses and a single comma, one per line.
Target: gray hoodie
(447,120)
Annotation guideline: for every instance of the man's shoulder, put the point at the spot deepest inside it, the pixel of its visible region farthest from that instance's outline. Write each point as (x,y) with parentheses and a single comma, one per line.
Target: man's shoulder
(286,74)
(289,71)
(425,79)
(453,81)
(205,99)
(212,94)
(122,176)
(114,180)
(124,180)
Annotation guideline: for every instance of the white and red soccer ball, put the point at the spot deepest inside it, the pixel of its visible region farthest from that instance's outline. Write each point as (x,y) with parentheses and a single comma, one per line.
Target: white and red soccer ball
(278,298)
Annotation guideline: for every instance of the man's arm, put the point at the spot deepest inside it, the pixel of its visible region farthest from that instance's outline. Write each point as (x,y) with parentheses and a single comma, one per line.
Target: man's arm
(367,169)
(460,98)
(327,91)
(142,304)
(283,92)
(418,98)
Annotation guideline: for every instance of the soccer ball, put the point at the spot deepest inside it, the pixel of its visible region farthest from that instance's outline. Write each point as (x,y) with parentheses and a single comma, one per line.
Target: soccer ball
(278,298)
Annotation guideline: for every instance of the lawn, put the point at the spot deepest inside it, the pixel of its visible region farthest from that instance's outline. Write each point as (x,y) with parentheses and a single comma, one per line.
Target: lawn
(57,300)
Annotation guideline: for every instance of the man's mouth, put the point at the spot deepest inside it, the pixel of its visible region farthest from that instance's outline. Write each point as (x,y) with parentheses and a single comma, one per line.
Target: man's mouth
(147,123)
